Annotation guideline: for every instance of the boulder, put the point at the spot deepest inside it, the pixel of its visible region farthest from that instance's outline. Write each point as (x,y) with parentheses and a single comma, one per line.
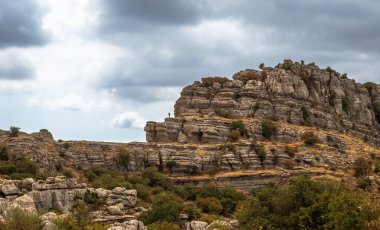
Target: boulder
(128,225)
(47,221)
(196,225)
(8,187)
(25,203)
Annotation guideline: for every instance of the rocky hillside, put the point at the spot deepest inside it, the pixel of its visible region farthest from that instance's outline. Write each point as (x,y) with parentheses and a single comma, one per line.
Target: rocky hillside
(294,98)
(261,126)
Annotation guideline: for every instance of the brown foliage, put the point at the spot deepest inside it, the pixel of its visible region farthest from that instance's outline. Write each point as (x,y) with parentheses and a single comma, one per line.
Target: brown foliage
(209,81)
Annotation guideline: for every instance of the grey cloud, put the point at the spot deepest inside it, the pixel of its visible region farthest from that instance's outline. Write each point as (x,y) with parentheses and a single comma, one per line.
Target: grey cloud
(13,66)
(118,16)
(337,25)
(328,33)
(21,24)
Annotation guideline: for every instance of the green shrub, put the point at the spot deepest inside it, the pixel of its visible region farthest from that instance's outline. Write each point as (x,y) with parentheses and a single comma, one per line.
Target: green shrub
(260,151)
(305,114)
(186,192)
(369,86)
(20,166)
(20,176)
(361,166)
(346,104)
(228,196)
(4,155)
(81,214)
(364,183)
(191,212)
(133,179)
(91,197)
(18,219)
(110,181)
(144,192)
(155,178)
(268,128)
(14,131)
(166,207)
(210,205)
(238,125)
(308,204)
(123,158)
(164,226)
(310,138)
(70,223)
(99,177)
(170,165)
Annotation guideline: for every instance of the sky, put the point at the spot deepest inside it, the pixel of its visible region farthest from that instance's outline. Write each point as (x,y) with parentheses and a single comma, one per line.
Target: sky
(99,69)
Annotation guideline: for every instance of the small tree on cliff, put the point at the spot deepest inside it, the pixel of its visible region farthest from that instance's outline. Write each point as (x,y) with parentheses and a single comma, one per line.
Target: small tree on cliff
(123,158)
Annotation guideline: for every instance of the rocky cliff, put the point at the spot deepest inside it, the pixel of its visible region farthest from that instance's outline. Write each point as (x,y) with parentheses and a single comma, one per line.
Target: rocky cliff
(296,97)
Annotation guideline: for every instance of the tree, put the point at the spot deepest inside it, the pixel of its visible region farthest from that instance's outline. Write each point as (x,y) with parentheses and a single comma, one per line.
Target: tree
(166,208)
(14,131)
(123,158)
(268,128)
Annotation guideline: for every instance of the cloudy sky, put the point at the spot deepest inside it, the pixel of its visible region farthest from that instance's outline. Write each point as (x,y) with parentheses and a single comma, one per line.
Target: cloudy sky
(99,69)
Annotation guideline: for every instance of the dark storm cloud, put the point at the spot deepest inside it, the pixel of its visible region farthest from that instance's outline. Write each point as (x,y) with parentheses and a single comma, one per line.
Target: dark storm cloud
(144,15)
(323,24)
(13,66)
(341,34)
(20,24)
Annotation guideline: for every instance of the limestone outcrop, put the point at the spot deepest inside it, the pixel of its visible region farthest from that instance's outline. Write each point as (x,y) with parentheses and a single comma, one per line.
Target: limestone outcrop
(291,92)
(60,193)
(295,96)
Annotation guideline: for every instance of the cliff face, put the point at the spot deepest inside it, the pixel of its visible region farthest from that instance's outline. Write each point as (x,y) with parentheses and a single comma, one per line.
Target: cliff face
(291,92)
(297,97)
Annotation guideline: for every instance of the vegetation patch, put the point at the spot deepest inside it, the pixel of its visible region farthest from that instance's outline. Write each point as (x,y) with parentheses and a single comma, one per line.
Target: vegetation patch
(19,168)
(21,220)
(291,150)
(123,158)
(260,151)
(346,104)
(14,131)
(268,128)
(4,155)
(362,166)
(310,138)
(312,204)
(376,110)
(209,81)
(246,76)
(369,86)
(237,130)
(305,114)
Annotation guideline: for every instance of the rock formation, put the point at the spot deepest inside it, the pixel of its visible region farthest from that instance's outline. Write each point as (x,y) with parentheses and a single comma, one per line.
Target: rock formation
(297,97)
(219,134)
